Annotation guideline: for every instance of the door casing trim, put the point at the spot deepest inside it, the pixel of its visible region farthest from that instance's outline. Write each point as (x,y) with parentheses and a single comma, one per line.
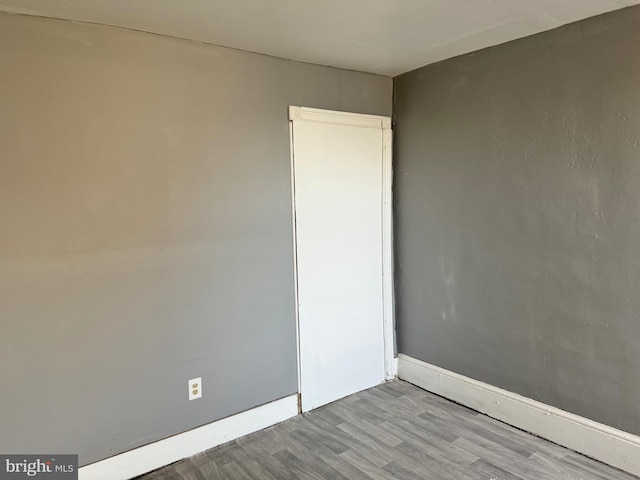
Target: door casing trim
(301,114)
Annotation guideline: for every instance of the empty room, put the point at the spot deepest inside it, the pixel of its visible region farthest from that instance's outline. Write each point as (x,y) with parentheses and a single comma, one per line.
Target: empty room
(320,239)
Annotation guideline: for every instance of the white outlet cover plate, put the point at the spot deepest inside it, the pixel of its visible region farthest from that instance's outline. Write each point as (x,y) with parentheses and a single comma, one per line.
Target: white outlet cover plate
(192,382)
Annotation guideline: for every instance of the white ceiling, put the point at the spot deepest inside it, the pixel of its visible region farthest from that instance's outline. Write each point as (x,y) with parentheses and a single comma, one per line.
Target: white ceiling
(387,37)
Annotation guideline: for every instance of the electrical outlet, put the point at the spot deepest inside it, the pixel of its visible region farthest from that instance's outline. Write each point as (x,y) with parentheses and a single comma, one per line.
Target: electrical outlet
(195,388)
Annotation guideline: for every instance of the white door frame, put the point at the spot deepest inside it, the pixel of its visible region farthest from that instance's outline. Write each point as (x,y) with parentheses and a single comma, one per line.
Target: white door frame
(362,120)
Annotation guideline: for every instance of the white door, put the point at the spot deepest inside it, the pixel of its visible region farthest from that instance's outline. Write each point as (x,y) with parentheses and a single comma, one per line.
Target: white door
(338,165)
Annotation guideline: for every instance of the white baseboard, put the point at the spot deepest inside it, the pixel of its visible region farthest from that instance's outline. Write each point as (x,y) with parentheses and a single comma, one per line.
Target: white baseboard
(155,455)
(609,445)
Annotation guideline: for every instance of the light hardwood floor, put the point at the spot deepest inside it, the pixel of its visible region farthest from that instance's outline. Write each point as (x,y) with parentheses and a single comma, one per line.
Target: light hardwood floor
(393,431)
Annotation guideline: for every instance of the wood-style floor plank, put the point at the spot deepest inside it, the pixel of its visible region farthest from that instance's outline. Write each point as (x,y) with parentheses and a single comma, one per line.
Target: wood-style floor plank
(393,431)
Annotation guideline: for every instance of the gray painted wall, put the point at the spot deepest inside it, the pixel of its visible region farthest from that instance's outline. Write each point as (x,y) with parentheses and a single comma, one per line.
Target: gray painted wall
(146,240)
(517,195)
